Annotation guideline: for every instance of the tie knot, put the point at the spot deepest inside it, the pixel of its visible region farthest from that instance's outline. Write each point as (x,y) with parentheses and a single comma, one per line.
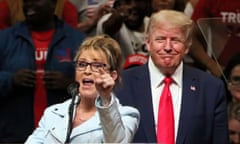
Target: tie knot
(168,80)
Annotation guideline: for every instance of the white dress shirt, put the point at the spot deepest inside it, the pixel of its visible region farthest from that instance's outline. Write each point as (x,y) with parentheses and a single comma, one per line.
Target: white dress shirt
(156,78)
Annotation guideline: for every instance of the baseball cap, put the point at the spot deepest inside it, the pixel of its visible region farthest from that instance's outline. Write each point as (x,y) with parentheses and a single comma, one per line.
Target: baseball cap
(135,60)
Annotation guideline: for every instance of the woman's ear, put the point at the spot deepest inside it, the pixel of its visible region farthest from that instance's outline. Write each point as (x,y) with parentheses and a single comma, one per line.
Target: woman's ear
(229,86)
(114,74)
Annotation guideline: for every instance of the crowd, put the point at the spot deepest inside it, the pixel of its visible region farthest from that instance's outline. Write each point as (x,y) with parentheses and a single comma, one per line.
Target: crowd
(123,55)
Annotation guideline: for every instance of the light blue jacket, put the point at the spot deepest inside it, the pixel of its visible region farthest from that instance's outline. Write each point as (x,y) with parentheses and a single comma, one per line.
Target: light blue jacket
(112,124)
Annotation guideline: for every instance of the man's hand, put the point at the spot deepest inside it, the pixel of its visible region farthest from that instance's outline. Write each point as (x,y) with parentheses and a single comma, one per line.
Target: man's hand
(56,80)
(25,78)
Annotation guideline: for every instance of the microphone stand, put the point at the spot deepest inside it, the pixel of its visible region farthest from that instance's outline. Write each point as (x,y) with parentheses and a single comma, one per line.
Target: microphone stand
(73,91)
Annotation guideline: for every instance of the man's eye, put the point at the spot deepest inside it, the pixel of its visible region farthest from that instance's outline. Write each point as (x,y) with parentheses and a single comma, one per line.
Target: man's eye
(176,40)
(160,40)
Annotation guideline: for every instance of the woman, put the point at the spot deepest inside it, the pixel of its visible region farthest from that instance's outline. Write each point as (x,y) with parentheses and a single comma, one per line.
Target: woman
(234,122)
(232,78)
(98,117)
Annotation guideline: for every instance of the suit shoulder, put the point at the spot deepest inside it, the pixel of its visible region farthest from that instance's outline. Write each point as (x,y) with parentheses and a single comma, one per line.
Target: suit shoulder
(202,74)
(134,70)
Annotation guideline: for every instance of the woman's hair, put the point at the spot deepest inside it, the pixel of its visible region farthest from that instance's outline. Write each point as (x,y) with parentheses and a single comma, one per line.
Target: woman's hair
(234,61)
(171,19)
(108,46)
(234,110)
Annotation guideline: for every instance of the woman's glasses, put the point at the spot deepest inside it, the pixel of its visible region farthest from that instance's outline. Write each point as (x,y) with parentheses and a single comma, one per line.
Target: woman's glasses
(235,81)
(95,66)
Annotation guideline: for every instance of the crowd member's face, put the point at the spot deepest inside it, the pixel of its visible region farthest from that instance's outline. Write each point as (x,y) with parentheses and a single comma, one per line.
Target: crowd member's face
(234,83)
(234,131)
(162,4)
(167,47)
(87,76)
(136,11)
(38,12)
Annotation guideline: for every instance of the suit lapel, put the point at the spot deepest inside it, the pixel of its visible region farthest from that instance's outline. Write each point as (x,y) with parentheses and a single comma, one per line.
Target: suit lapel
(144,103)
(189,95)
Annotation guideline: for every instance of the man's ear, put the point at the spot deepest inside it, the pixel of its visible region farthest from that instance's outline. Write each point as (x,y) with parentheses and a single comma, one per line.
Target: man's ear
(114,74)
(147,42)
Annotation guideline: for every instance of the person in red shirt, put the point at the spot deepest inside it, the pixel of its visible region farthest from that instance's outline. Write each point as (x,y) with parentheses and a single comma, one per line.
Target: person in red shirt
(35,67)
(228,12)
(11,12)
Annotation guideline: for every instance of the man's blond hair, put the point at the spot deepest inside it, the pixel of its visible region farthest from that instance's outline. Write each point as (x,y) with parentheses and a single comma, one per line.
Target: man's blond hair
(169,19)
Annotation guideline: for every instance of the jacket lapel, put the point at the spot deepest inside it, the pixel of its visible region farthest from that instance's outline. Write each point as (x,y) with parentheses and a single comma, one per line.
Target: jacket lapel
(144,103)
(58,129)
(189,95)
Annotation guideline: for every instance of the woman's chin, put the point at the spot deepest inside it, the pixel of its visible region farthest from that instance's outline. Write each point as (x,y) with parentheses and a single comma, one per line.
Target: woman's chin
(89,94)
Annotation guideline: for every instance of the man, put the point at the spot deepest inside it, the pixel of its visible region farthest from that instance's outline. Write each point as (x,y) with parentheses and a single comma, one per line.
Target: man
(12,13)
(35,68)
(126,23)
(198,110)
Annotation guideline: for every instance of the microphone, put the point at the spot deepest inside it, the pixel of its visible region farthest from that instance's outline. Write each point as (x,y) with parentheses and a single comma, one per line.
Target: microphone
(72,89)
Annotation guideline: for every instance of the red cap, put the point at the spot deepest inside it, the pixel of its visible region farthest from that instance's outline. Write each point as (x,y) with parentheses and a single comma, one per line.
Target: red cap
(135,60)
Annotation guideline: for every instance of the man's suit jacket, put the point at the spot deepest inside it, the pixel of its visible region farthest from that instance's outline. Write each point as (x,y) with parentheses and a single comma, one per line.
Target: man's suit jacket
(203,116)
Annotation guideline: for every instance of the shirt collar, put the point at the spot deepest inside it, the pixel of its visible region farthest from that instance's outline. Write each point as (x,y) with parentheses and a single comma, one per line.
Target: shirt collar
(156,77)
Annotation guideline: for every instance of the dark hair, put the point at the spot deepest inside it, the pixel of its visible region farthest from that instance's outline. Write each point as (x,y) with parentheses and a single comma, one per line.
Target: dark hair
(234,60)
(180,5)
(234,110)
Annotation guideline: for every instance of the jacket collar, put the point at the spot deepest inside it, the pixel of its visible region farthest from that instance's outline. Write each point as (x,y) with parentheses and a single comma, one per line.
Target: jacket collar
(58,129)
(23,31)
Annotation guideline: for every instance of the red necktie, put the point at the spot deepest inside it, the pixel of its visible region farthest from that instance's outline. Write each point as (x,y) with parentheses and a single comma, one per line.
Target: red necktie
(165,125)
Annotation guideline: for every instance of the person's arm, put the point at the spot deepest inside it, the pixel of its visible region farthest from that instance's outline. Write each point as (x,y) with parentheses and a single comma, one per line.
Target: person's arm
(91,22)
(114,23)
(198,53)
(119,123)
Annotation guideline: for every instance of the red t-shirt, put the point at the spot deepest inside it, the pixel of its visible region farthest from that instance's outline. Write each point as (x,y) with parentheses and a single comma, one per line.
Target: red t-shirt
(70,14)
(229,12)
(216,8)
(41,42)
(4,15)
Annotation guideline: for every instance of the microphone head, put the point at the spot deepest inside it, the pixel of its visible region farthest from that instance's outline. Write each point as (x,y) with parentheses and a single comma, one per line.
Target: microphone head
(73,88)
